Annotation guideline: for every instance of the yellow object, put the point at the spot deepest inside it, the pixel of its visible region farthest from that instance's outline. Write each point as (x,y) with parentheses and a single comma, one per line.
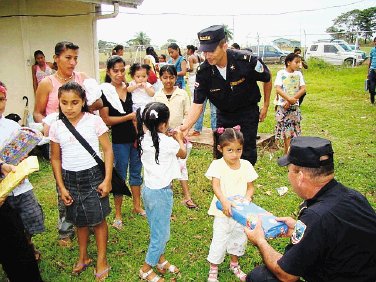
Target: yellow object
(13,179)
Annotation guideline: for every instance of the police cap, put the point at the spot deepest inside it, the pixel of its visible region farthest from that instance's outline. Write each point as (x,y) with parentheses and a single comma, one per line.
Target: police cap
(210,37)
(306,151)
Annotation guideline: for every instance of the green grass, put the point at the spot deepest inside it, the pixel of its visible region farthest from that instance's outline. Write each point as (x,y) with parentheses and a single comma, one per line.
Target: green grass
(336,108)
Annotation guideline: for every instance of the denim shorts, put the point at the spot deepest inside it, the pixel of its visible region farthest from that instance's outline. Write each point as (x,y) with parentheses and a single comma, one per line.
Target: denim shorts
(87,209)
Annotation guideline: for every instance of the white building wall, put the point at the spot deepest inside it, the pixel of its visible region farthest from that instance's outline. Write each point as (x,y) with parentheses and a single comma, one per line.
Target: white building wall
(21,36)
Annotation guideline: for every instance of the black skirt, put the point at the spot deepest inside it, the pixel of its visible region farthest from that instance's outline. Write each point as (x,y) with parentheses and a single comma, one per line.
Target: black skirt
(87,209)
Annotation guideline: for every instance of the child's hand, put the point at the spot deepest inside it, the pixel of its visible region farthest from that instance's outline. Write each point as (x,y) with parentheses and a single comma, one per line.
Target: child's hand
(227,208)
(286,105)
(104,189)
(292,100)
(66,197)
(177,135)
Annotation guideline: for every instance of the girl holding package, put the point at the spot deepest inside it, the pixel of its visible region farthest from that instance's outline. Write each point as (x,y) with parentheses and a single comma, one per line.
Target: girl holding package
(230,176)
(290,86)
(159,154)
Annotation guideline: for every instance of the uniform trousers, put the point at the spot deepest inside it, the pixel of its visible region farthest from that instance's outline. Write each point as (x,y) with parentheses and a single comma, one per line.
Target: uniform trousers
(248,121)
(16,255)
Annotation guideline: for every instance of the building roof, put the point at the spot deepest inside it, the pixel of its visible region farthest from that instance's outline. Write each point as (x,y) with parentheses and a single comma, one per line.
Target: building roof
(123,3)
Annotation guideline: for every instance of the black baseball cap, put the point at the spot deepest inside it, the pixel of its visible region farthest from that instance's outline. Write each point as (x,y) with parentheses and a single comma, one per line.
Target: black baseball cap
(210,37)
(306,151)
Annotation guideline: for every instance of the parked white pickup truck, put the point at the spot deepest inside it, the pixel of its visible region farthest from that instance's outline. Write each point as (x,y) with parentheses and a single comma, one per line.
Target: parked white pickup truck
(333,53)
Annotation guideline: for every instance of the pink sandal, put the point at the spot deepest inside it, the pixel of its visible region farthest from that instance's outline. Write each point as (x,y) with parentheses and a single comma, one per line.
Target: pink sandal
(238,272)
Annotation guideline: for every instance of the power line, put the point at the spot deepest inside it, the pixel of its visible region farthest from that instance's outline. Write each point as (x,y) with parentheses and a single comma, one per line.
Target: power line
(184,14)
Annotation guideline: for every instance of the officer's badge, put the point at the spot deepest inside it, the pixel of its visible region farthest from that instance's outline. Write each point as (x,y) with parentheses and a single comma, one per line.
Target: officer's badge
(259,67)
(232,67)
(298,233)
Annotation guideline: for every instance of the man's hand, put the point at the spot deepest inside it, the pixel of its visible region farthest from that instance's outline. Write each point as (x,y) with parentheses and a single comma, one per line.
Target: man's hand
(184,130)
(290,222)
(263,113)
(256,235)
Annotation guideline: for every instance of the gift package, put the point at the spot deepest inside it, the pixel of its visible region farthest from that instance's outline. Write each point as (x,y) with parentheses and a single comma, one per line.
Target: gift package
(247,214)
(13,179)
(19,144)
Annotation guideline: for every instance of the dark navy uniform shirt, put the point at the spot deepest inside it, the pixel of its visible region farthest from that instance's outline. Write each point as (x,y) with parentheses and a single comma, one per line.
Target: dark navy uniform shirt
(334,238)
(239,90)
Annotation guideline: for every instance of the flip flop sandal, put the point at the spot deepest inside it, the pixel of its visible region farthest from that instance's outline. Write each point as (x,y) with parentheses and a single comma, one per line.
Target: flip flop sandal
(189,204)
(161,267)
(144,276)
(81,267)
(101,276)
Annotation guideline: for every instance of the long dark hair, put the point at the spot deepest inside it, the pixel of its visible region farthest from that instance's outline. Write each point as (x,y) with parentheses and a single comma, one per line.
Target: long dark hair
(175,47)
(76,88)
(150,51)
(117,48)
(111,62)
(152,117)
(36,53)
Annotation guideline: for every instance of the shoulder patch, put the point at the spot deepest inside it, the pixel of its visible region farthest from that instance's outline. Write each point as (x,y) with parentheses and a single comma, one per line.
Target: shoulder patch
(259,67)
(298,233)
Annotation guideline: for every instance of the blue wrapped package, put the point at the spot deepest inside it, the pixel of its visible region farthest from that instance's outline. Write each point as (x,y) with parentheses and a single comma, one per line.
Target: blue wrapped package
(247,213)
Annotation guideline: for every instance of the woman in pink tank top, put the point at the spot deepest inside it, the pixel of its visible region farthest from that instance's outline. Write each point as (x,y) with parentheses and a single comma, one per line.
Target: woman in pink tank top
(41,68)
(46,101)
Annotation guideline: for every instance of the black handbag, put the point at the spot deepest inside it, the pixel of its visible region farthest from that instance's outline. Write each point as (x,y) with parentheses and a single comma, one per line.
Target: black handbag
(118,184)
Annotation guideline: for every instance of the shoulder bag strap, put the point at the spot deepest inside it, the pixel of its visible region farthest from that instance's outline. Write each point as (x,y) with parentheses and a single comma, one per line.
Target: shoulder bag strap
(82,141)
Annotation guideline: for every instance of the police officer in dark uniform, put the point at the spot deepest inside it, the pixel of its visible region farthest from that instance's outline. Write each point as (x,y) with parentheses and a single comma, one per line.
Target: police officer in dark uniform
(228,78)
(334,238)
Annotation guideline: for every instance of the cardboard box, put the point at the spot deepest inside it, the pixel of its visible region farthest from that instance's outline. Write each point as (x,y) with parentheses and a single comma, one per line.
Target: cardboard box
(13,179)
(247,214)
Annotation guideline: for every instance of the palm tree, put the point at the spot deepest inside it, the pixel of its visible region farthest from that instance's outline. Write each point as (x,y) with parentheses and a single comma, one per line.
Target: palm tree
(228,32)
(140,39)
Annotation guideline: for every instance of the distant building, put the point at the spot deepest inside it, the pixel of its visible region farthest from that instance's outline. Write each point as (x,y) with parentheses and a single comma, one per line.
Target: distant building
(43,24)
(284,42)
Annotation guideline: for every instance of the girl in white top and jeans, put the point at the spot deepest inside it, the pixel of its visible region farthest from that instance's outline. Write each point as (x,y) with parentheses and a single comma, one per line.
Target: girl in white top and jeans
(159,154)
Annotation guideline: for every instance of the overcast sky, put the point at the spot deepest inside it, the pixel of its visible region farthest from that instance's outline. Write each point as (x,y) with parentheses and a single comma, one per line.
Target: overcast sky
(269,18)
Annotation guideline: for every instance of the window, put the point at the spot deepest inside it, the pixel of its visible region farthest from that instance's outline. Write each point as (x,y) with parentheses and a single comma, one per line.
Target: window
(313,48)
(330,49)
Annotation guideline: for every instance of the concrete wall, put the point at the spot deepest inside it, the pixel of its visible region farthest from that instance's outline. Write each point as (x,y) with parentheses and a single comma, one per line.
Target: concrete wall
(21,36)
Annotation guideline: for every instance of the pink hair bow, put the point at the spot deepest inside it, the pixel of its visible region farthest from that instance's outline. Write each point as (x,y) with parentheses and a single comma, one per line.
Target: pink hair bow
(220,130)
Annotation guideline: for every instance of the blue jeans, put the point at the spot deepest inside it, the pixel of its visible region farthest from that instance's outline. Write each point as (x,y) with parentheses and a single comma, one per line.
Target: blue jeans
(213,118)
(124,155)
(158,207)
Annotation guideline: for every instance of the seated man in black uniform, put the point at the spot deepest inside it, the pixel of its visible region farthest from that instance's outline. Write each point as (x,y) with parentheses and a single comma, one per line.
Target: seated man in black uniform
(228,78)
(334,238)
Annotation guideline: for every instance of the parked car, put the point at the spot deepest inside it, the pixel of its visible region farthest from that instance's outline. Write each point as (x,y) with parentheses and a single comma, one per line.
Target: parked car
(270,53)
(334,53)
(354,48)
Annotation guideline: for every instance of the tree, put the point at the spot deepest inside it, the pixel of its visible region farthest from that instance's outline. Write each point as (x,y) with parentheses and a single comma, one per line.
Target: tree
(354,23)
(140,39)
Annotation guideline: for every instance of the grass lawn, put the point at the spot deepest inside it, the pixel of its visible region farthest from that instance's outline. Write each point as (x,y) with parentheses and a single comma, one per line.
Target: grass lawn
(336,107)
